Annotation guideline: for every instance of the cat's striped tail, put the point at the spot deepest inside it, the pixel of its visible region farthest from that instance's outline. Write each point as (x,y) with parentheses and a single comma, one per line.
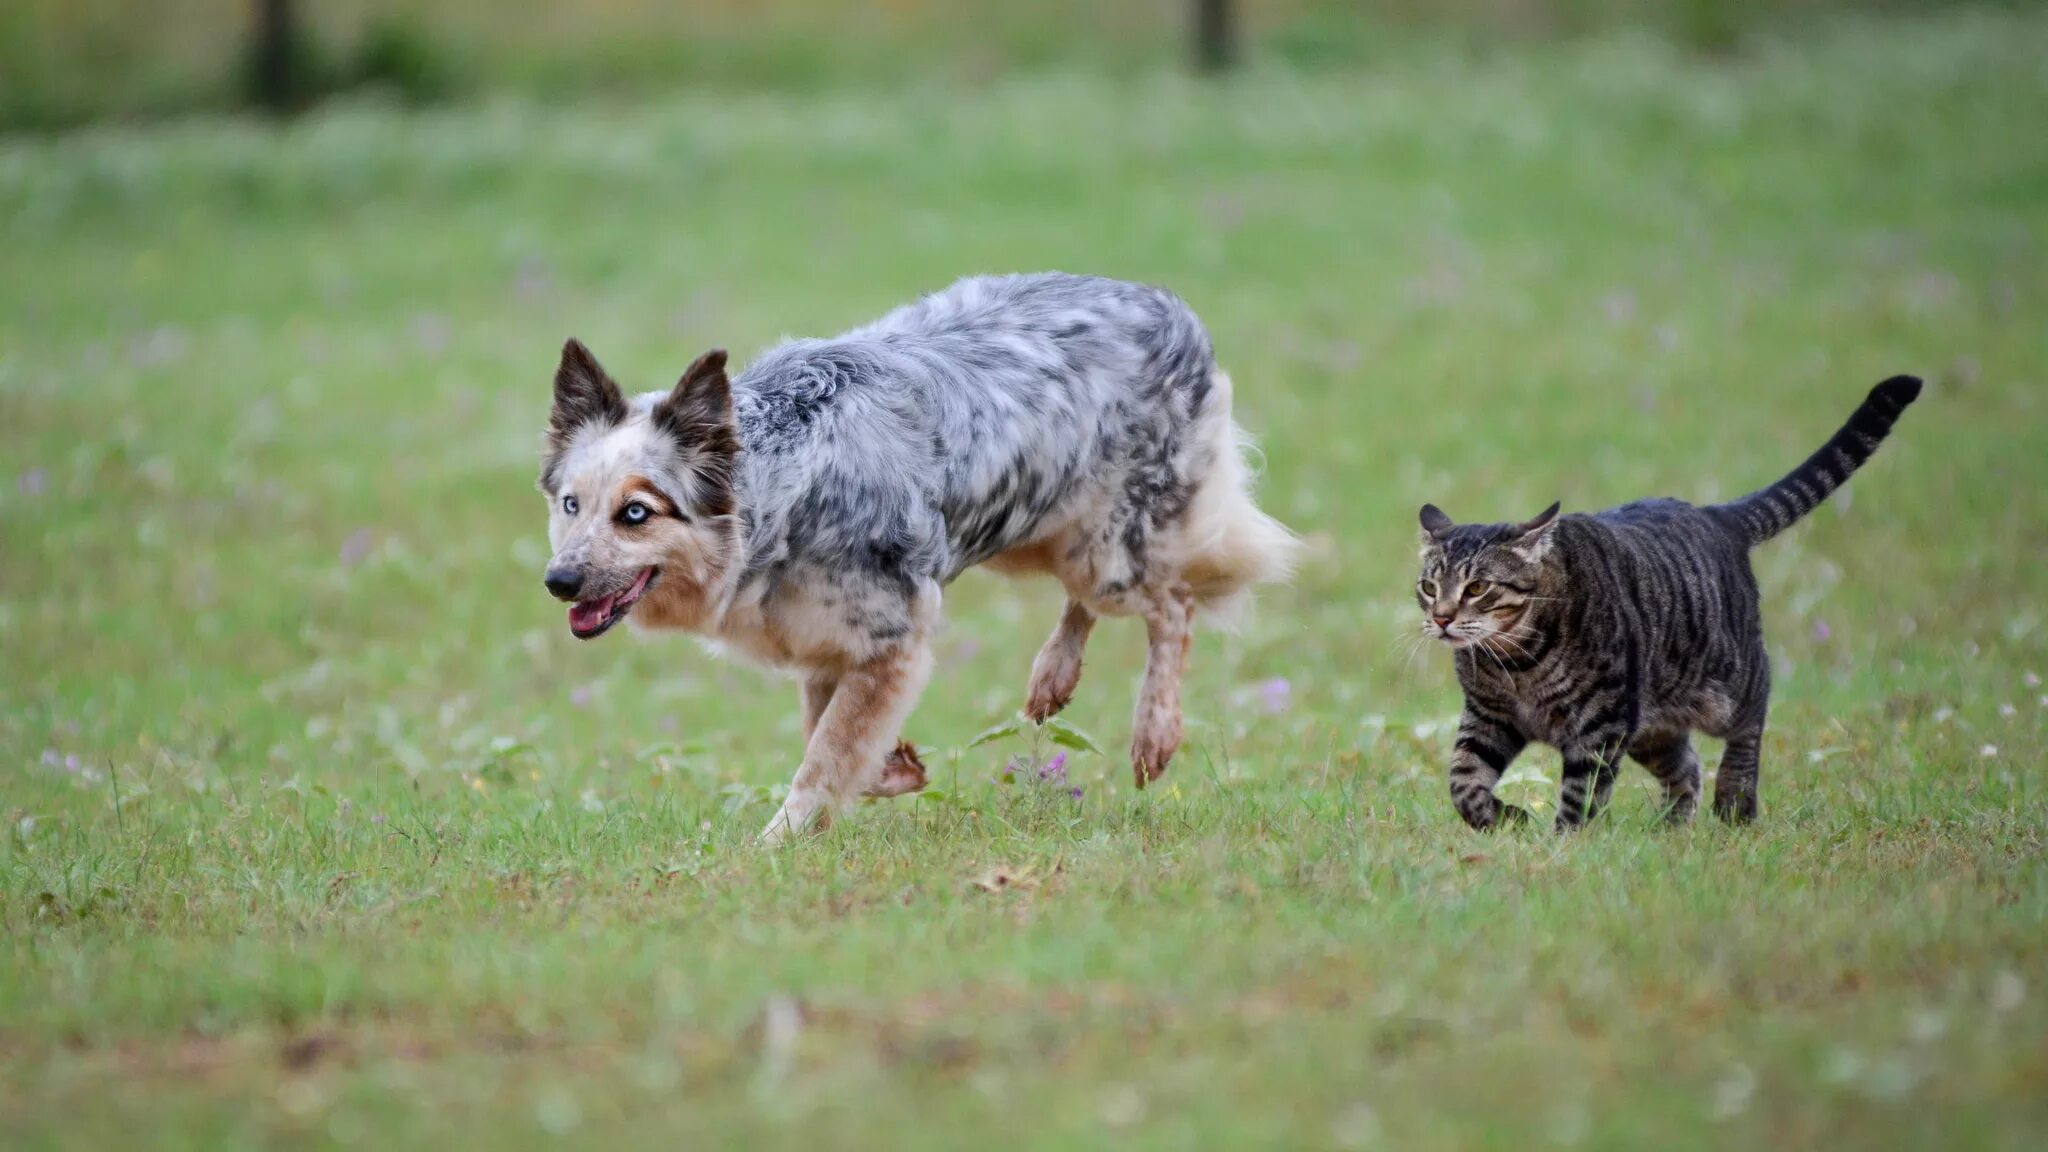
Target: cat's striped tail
(1765,513)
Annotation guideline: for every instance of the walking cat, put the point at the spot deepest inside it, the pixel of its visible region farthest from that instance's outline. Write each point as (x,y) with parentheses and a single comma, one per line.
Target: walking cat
(1622,631)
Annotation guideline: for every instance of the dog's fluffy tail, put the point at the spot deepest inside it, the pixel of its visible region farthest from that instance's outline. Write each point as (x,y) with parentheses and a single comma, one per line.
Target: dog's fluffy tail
(1230,543)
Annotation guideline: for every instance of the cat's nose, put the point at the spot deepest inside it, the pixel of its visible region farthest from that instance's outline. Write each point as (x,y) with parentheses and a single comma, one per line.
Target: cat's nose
(1443,621)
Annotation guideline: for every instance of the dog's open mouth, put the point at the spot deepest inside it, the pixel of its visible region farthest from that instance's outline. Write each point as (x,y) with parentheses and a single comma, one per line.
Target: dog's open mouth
(589,619)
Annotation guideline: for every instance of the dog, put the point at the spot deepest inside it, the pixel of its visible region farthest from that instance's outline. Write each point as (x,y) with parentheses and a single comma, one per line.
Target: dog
(809,512)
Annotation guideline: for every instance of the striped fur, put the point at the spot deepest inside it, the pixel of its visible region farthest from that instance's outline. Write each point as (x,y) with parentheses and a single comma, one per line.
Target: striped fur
(1766,513)
(1620,633)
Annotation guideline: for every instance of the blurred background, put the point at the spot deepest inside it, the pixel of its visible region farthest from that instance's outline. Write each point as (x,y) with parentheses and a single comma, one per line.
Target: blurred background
(71,61)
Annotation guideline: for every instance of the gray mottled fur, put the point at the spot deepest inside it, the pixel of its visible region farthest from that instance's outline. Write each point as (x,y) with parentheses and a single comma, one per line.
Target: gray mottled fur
(975,420)
(809,510)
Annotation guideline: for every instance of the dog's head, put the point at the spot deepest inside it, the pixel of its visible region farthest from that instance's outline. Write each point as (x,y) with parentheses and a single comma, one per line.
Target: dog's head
(640,492)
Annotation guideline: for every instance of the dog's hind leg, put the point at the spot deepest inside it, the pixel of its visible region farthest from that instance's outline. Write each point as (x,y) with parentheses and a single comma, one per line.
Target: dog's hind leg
(1156,728)
(1057,670)
(850,752)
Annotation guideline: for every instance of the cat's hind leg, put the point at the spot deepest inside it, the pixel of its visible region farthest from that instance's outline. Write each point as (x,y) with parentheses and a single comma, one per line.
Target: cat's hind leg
(1735,783)
(1670,758)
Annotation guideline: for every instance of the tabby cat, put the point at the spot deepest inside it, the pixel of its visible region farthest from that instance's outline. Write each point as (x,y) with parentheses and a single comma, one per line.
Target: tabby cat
(1622,632)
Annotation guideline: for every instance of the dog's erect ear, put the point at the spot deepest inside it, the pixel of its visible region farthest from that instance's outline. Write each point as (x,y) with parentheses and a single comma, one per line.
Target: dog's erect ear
(697,415)
(1434,521)
(1543,519)
(700,401)
(583,395)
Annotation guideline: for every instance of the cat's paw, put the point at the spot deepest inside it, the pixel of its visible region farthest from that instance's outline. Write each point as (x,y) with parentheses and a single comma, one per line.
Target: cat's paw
(1499,815)
(1738,809)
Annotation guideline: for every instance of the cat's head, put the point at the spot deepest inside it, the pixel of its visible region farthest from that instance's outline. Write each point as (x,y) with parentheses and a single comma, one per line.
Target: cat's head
(1482,583)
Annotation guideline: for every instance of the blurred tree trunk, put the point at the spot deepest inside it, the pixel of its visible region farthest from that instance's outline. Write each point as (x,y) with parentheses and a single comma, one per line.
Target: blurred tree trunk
(1215,35)
(275,57)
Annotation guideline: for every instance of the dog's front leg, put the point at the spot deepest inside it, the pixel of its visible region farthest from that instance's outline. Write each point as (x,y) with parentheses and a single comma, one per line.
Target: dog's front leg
(853,735)
(903,772)
(818,688)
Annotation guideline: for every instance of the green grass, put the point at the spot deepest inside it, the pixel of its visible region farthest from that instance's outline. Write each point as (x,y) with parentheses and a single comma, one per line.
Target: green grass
(320,828)
(68,61)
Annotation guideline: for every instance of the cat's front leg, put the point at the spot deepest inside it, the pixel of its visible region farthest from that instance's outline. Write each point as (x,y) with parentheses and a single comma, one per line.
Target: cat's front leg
(1590,764)
(1487,744)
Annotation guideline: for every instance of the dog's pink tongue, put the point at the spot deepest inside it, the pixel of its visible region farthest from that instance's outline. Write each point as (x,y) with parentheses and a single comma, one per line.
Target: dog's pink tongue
(589,614)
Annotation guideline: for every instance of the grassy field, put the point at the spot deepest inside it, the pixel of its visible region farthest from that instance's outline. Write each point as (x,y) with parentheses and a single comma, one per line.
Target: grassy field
(67,61)
(322,830)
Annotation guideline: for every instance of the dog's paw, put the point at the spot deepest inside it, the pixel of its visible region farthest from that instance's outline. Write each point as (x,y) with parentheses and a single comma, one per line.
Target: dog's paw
(902,773)
(1053,680)
(1045,702)
(804,810)
(1152,747)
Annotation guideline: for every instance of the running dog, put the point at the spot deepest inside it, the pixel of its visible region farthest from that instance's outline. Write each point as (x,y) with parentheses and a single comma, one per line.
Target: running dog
(809,511)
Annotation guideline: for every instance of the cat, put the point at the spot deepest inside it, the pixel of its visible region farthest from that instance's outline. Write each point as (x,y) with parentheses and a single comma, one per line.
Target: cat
(1622,632)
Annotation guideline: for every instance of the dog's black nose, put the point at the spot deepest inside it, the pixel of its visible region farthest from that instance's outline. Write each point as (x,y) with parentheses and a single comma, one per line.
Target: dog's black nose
(564,583)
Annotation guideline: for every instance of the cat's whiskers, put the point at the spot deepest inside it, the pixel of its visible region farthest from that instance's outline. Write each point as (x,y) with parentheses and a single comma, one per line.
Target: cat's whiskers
(1518,651)
(1411,644)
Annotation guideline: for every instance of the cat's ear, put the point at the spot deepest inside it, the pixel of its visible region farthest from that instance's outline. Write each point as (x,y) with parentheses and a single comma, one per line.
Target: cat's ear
(1435,522)
(1532,537)
(1543,519)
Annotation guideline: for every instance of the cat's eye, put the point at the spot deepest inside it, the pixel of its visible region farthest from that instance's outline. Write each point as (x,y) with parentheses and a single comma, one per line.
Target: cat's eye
(1476,589)
(1428,588)
(569,505)
(635,513)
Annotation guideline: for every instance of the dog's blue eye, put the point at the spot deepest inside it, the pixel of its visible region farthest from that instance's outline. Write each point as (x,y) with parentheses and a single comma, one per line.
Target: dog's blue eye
(634,513)
(569,505)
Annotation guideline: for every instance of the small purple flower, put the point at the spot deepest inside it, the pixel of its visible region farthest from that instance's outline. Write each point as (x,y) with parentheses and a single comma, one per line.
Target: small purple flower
(71,763)
(356,548)
(50,758)
(1075,793)
(1821,631)
(1620,306)
(431,331)
(1276,694)
(533,280)
(33,481)
(1054,771)
(581,696)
